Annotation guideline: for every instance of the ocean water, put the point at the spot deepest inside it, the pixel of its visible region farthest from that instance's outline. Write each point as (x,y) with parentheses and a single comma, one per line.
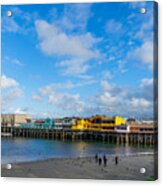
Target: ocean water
(24,149)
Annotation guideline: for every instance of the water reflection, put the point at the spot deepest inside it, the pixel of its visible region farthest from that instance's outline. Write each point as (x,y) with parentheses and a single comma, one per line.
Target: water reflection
(21,149)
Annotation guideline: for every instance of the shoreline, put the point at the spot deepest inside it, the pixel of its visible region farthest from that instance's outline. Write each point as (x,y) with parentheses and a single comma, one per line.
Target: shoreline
(128,168)
(74,157)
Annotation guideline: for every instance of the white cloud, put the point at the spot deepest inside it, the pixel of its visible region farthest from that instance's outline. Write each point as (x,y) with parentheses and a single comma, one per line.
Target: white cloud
(53,41)
(107,74)
(125,101)
(82,13)
(113,27)
(66,37)
(17,62)
(36,97)
(122,66)
(84,76)
(67,20)
(112,88)
(107,98)
(21,110)
(9,96)
(106,85)
(9,25)
(20,22)
(7,82)
(146,82)
(111,99)
(144,54)
(137,5)
(147,88)
(46,90)
(74,67)
(66,102)
(63,102)
(76,49)
(16,110)
(11,91)
(139,103)
(145,32)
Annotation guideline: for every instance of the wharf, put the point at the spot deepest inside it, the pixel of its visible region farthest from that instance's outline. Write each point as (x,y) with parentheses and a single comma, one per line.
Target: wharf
(143,138)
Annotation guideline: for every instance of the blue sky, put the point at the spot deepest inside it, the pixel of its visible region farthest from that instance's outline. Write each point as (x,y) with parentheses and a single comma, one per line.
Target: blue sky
(78,59)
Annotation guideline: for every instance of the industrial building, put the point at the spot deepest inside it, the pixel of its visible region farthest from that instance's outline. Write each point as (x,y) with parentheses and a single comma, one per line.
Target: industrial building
(15,119)
(143,128)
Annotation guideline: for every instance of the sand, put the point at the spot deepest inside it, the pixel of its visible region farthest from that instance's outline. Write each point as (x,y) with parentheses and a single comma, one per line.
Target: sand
(85,168)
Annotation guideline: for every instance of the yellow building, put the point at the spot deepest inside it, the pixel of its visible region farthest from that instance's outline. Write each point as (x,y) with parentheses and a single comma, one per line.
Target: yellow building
(99,123)
(81,124)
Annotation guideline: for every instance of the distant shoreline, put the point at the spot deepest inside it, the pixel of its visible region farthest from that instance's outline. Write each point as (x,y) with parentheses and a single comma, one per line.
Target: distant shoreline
(86,168)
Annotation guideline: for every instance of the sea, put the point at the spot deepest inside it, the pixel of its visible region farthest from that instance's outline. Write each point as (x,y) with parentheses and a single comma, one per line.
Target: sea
(17,150)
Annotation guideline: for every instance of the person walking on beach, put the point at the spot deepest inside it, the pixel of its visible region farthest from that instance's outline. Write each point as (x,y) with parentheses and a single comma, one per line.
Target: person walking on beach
(116,160)
(96,158)
(105,160)
(99,161)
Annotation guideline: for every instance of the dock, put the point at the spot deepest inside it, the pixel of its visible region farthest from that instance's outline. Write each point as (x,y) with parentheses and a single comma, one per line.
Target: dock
(132,138)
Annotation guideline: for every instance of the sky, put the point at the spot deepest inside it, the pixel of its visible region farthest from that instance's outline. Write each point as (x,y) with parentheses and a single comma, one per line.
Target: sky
(78,59)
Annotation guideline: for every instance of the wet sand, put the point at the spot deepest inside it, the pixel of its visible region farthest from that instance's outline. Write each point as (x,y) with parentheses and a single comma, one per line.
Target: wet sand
(85,168)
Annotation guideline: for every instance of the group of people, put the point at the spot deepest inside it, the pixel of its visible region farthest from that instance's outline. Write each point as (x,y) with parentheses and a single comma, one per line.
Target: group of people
(104,160)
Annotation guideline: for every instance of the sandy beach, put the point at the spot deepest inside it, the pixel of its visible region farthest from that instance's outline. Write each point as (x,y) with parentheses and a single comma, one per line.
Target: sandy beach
(128,168)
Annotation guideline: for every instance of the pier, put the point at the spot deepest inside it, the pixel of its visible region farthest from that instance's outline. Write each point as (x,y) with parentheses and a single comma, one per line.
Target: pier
(133,138)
